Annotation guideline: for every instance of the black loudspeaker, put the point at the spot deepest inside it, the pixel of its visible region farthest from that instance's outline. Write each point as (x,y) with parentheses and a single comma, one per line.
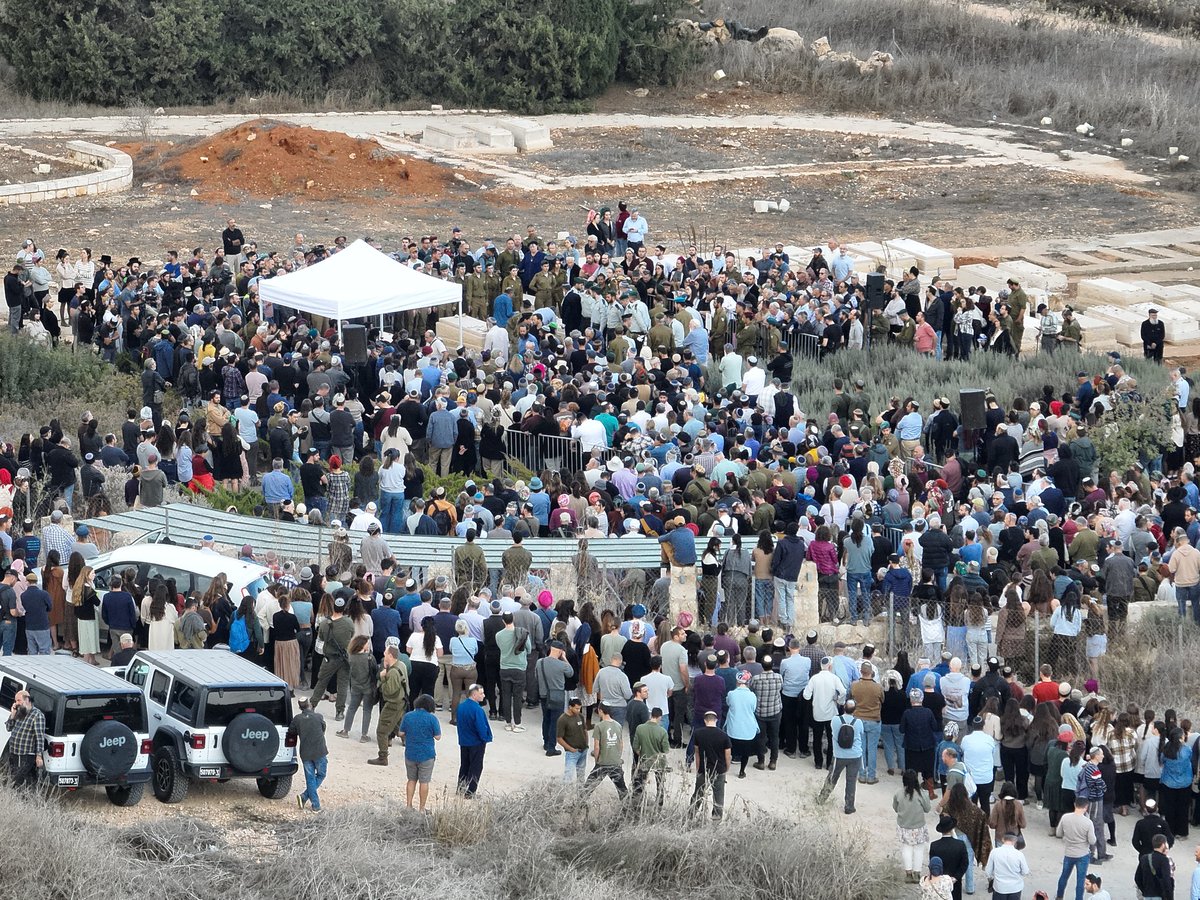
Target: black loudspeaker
(875,291)
(970,402)
(354,344)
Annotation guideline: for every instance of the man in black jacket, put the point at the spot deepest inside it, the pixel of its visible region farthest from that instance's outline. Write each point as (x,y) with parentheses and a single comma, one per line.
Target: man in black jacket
(1154,333)
(1147,827)
(14,297)
(1154,877)
(1002,450)
(951,851)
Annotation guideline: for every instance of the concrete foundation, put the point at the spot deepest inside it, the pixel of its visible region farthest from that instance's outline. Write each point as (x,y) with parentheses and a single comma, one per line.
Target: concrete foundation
(527,134)
(447,136)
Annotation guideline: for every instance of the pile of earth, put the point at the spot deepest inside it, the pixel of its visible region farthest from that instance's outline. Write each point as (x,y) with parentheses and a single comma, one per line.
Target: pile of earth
(265,159)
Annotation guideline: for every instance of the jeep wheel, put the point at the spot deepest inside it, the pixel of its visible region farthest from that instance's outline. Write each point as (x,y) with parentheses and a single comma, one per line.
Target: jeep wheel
(250,743)
(275,788)
(130,795)
(108,750)
(170,784)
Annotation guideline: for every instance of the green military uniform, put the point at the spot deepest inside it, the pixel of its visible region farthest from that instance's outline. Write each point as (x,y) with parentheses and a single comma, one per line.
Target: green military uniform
(492,286)
(542,285)
(393,690)
(860,400)
(720,326)
(470,567)
(908,331)
(515,565)
(477,301)
(661,338)
(1071,336)
(511,285)
(746,337)
(1018,305)
(618,347)
(506,260)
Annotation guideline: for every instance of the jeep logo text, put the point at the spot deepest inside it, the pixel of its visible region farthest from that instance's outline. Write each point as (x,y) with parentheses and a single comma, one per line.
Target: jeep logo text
(112,742)
(249,735)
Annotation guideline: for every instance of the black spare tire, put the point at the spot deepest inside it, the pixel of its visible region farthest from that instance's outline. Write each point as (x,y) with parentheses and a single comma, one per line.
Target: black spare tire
(250,742)
(108,750)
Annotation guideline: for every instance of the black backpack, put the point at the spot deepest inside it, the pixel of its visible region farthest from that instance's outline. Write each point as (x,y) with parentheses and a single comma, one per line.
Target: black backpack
(845,735)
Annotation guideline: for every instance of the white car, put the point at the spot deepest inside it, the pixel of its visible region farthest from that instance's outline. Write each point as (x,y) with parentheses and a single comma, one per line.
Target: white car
(193,571)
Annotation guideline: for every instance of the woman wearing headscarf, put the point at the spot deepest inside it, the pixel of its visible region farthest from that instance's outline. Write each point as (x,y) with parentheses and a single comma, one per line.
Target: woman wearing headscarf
(463,459)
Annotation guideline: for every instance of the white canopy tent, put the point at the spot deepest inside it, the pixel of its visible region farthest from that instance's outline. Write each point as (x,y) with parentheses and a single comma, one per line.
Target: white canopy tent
(359,282)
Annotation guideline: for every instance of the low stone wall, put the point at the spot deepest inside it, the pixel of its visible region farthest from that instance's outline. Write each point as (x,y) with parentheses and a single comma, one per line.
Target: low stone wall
(115,174)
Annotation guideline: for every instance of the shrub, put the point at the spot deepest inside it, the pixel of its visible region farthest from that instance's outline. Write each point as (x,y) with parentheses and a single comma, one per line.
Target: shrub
(1155,665)
(890,371)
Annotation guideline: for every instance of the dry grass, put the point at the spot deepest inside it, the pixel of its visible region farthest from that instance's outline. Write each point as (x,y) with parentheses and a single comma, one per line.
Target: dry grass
(1156,666)
(955,65)
(542,844)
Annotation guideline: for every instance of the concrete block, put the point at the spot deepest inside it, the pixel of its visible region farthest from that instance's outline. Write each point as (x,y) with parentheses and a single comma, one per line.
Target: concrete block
(682,596)
(1098,333)
(895,260)
(473,331)
(1178,326)
(990,277)
(1108,292)
(808,609)
(929,259)
(1031,275)
(447,136)
(492,137)
(527,134)
(1127,324)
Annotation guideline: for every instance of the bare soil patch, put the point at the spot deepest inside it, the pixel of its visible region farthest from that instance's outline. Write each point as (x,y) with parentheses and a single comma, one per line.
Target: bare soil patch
(264,159)
(17,167)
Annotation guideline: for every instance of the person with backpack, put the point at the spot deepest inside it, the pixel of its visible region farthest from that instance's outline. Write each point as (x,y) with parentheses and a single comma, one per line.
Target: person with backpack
(1155,875)
(847,756)
(245,632)
(514,644)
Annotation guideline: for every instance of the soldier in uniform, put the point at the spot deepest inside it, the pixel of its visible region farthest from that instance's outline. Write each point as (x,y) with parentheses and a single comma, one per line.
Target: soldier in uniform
(393,691)
(542,285)
(511,285)
(1070,337)
(1018,304)
(662,341)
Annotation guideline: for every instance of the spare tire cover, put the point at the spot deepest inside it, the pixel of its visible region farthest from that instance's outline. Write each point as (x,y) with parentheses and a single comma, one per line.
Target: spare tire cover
(250,742)
(108,750)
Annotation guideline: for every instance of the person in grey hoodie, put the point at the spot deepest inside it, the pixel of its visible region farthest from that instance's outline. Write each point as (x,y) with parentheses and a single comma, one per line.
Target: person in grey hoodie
(956,690)
(441,431)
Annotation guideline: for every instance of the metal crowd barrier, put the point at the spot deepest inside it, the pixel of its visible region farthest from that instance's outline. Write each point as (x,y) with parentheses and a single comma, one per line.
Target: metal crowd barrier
(537,452)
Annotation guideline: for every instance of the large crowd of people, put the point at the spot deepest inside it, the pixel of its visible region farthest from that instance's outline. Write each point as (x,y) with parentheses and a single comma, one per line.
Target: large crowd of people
(655,391)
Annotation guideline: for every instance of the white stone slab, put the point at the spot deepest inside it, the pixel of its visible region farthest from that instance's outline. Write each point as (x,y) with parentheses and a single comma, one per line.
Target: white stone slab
(1108,292)
(1179,327)
(985,276)
(1127,324)
(473,332)
(527,134)
(1031,275)
(447,136)
(929,259)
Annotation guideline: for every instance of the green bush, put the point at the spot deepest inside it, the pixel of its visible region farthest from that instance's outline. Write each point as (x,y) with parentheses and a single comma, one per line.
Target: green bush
(530,56)
(27,369)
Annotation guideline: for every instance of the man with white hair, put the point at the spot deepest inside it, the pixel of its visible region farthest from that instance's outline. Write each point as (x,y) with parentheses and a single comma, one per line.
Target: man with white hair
(1125,521)
(955,688)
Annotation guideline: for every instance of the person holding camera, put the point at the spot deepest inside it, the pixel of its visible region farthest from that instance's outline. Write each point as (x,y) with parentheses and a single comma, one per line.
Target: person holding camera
(28,727)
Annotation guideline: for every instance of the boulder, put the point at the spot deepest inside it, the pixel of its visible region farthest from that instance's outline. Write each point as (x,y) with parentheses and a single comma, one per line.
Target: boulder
(821,48)
(783,41)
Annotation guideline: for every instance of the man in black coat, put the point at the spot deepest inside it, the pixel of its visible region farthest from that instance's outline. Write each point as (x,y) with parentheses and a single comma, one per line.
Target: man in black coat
(1002,450)
(951,851)
(1147,827)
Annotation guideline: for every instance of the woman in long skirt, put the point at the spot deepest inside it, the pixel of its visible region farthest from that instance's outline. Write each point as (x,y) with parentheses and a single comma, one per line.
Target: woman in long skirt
(63,630)
(284,628)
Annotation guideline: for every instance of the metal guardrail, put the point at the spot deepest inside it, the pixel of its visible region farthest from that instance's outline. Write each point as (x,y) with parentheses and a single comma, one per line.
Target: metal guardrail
(803,344)
(538,452)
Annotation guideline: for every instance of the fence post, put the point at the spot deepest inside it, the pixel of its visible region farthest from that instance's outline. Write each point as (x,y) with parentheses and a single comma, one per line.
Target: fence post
(1037,641)
(891,625)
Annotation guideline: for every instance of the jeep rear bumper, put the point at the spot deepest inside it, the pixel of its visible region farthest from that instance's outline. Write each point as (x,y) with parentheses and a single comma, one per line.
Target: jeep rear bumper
(223,771)
(71,780)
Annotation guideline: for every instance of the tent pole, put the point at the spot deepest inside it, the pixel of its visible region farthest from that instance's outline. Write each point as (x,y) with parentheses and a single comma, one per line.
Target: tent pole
(460,322)
(341,347)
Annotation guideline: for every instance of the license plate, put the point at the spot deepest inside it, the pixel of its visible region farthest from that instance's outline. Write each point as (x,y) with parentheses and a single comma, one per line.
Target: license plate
(68,781)
(210,771)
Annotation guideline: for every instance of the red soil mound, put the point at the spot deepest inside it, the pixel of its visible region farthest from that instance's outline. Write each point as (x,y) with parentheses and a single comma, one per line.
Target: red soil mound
(271,159)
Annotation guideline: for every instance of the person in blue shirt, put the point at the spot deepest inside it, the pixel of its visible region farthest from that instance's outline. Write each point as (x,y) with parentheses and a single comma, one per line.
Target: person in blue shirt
(846,759)
(740,722)
(539,502)
(916,681)
(793,730)
(419,732)
(385,623)
(843,666)
(405,604)
(502,309)
(681,543)
(474,734)
(277,486)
